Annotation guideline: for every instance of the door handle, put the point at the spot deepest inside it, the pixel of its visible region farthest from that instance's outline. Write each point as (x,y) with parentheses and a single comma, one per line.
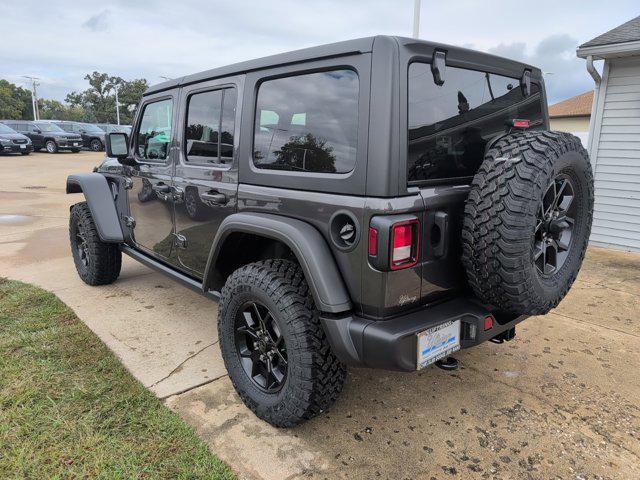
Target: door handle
(214,196)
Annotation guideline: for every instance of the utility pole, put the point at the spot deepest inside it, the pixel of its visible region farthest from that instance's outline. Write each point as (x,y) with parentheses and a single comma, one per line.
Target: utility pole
(34,96)
(416,18)
(117,106)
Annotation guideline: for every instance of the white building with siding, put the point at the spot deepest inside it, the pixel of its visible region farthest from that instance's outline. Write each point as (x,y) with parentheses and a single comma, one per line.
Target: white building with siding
(614,136)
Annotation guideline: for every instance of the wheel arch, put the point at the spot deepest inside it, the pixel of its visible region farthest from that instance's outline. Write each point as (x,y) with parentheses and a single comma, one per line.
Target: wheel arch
(96,191)
(258,236)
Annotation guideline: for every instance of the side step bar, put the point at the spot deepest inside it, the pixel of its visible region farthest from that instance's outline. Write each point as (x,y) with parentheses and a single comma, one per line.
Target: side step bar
(185,280)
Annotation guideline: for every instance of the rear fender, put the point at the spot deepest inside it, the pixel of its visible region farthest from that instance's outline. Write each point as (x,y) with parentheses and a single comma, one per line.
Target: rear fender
(307,244)
(100,200)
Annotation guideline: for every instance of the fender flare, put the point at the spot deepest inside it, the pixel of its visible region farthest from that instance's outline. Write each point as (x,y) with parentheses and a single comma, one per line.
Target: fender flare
(307,244)
(100,200)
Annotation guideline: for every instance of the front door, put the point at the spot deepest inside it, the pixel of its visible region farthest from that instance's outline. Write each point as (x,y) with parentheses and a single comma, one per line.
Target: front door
(150,197)
(35,134)
(205,183)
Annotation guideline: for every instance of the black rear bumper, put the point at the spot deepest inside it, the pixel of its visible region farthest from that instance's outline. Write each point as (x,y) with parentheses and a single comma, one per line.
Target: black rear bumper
(391,344)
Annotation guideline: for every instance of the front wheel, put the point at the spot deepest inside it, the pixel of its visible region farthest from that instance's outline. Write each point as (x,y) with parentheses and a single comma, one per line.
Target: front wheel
(51,146)
(97,262)
(273,346)
(95,145)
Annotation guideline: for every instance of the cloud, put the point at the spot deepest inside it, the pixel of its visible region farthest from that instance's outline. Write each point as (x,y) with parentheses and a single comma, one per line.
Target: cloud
(164,37)
(98,22)
(565,74)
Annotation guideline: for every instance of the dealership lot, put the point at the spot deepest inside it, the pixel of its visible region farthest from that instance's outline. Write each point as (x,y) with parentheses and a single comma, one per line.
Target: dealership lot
(559,401)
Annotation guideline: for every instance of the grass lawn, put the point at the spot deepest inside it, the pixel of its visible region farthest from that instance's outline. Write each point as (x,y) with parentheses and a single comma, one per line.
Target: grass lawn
(69,409)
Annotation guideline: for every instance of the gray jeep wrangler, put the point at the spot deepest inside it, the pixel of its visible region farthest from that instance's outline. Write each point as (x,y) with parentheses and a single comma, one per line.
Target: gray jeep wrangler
(380,202)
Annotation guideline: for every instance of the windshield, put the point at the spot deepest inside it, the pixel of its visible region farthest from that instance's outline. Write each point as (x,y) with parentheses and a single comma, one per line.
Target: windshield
(49,127)
(5,129)
(91,128)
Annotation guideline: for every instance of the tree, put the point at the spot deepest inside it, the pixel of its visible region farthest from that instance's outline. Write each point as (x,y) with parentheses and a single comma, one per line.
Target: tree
(15,102)
(99,100)
(53,109)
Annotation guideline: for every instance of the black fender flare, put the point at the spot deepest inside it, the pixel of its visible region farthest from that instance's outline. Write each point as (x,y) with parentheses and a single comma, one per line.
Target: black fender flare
(307,244)
(100,200)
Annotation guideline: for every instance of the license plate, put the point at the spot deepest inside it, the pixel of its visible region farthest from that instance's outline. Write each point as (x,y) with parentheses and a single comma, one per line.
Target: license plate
(75,144)
(438,342)
(23,147)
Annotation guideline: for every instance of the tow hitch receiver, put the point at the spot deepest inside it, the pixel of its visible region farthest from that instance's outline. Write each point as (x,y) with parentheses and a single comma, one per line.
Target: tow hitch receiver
(505,336)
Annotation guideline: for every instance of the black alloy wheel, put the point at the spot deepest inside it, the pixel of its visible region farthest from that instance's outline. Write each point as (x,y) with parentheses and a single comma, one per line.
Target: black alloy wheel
(81,247)
(554,226)
(95,145)
(261,347)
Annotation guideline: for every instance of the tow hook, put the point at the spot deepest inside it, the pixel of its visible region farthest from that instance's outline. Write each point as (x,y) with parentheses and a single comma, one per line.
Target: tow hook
(448,364)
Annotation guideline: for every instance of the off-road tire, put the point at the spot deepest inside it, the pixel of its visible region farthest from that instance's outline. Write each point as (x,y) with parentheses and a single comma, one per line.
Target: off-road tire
(500,221)
(51,146)
(315,376)
(103,260)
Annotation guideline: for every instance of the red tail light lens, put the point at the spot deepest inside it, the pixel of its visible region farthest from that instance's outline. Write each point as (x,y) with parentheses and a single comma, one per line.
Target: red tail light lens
(373,241)
(488,322)
(521,123)
(404,244)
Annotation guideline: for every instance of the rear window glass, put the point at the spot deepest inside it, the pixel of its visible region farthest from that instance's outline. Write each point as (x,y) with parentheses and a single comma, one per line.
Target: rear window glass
(450,125)
(308,123)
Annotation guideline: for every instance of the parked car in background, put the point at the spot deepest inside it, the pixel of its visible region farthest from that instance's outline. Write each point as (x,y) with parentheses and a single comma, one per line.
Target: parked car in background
(110,127)
(45,134)
(14,142)
(92,136)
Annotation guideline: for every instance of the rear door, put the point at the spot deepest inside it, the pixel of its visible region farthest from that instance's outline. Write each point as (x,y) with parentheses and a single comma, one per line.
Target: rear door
(205,182)
(449,128)
(150,199)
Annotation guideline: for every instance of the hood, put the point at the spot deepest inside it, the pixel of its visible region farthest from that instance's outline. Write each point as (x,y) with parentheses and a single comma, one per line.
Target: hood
(13,136)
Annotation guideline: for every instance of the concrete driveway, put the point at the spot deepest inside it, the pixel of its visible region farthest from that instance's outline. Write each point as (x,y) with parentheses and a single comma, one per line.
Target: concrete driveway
(560,401)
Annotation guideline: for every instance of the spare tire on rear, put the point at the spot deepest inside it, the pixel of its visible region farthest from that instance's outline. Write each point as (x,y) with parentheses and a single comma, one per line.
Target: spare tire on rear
(527,221)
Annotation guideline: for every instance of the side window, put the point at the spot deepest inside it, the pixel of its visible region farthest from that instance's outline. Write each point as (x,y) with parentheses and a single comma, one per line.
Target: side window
(450,124)
(154,135)
(307,123)
(210,125)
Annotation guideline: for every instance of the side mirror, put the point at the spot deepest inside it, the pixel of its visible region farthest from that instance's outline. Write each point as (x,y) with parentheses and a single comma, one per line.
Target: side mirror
(117,146)
(37,130)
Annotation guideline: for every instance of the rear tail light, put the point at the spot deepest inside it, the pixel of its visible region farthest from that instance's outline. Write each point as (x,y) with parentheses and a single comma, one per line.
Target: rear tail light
(404,244)
(488,322)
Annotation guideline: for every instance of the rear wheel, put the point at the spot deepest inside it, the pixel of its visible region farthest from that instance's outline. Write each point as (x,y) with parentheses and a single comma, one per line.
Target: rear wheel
(97,262)
(527,221)
(51,146)
(273,346)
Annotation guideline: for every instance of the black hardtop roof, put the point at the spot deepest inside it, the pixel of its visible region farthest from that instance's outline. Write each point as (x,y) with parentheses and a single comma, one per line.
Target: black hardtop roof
(359,45)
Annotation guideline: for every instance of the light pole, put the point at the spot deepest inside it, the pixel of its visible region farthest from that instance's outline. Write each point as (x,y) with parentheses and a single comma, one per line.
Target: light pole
(416,18)
(34,96)
(117,106)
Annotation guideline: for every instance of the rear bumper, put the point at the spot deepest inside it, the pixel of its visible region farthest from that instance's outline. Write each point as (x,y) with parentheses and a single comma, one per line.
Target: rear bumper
(392,344)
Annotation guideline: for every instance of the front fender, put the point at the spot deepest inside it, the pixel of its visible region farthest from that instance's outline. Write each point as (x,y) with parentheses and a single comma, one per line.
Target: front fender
(307,244)
(100,200)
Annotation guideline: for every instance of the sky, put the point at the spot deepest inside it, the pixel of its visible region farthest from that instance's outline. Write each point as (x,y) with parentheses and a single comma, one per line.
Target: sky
(60,41)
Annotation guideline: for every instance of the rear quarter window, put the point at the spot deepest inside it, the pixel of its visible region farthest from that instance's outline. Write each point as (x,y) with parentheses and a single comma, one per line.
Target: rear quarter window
(450,124)
(307,123)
